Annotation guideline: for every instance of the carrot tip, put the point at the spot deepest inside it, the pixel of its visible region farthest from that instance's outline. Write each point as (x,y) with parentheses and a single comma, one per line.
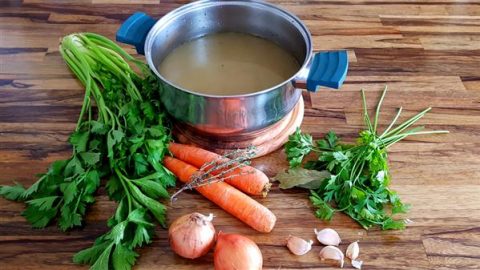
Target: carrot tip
(266,189)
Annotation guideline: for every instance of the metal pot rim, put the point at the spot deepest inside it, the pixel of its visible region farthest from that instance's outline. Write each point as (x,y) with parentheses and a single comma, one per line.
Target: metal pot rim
(163,22)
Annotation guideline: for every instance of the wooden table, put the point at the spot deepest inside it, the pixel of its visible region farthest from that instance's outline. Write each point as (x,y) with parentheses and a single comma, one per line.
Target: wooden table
(427,52)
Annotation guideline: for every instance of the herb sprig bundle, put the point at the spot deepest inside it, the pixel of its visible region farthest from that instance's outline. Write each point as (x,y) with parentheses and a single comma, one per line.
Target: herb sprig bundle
(123,138)
(352,178)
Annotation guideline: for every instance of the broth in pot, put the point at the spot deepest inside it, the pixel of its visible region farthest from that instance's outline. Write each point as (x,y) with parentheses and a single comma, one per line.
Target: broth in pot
(228,64)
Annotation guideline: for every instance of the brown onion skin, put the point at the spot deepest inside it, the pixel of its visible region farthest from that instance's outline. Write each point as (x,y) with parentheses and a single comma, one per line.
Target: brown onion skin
(186,241)
(236,252)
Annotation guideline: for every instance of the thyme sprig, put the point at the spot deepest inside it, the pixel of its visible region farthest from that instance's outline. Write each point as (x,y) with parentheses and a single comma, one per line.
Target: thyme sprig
(219,169)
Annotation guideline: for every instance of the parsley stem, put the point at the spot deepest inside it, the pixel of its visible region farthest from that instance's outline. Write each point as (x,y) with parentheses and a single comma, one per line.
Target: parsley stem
(415,133)
(377,113)
(360,170)
(89,111)
(154,175)
(125,188)
(398,135)
(365,112)
(407,123)
(352,173)
(392,123)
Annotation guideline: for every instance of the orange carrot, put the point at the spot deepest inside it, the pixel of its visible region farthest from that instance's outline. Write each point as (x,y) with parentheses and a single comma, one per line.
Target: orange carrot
(248,179)
(227,197)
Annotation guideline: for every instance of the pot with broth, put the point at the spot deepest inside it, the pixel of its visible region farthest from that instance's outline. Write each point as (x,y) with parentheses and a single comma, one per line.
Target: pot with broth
(228,68)
(226,64)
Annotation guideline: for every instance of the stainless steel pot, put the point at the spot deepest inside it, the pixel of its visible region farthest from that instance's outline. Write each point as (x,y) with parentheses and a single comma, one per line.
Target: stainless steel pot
(223,116)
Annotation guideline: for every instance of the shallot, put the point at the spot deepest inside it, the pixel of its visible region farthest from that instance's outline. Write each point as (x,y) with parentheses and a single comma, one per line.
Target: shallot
(192,236)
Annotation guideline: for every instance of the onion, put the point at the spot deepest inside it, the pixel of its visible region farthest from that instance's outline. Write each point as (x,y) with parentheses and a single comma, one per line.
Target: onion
(192,236)
(236,252)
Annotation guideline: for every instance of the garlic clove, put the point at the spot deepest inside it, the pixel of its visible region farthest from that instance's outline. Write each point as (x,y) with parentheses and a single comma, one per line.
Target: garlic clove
(328,237)
(357,264)
(298,246)
(353,250)
(332,253)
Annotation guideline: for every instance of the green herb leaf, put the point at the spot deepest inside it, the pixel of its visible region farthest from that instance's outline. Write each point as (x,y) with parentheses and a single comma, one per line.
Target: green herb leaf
(139,217)
(324,211)
(391,224)
(118,231)
(298,146)
(156,208)
(98,127)
(69,218)
(300,177)
(44,203)
(14,193)
(39,218)
(74,166)
(92,181)
(142,236)
(90,158)
(114,188)
(90,255)
(123,258)
(153,189)
(69,191)
(79,140)
(103,260)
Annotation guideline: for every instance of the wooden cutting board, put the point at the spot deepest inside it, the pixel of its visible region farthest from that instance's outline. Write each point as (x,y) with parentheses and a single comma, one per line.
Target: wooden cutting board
(427,52)
(265,141)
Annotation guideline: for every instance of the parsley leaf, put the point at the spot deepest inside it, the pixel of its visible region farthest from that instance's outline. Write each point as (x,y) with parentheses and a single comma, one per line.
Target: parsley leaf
(298,146)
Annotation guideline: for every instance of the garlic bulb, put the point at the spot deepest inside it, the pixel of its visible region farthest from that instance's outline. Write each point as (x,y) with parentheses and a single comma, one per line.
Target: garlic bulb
(353,250)
(328,237)
(332,253)
(298,246)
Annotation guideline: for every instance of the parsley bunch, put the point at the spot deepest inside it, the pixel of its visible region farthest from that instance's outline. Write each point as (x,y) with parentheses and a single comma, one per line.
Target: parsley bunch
(358,174)
(123,138)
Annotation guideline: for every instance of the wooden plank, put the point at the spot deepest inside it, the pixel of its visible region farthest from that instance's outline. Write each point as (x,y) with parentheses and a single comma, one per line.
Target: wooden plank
(80,19)
(460,42)
(456,248)
(472,83)
(408,61)
(332,42)
(124,2)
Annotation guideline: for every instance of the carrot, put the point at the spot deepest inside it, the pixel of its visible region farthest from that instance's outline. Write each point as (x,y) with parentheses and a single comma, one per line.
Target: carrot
(248,179)
(227,197)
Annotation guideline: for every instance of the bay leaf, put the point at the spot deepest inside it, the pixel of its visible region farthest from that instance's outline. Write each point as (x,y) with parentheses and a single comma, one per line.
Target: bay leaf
(301,177)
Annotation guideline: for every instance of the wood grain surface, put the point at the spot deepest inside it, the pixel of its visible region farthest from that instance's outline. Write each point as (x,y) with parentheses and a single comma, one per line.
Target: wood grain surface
(427,52)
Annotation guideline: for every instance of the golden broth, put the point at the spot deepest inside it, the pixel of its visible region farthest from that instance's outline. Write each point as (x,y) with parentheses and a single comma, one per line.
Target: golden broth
(228,64)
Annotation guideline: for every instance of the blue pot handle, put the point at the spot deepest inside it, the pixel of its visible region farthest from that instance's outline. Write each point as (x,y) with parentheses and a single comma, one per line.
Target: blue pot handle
(328,69)
(135,29)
